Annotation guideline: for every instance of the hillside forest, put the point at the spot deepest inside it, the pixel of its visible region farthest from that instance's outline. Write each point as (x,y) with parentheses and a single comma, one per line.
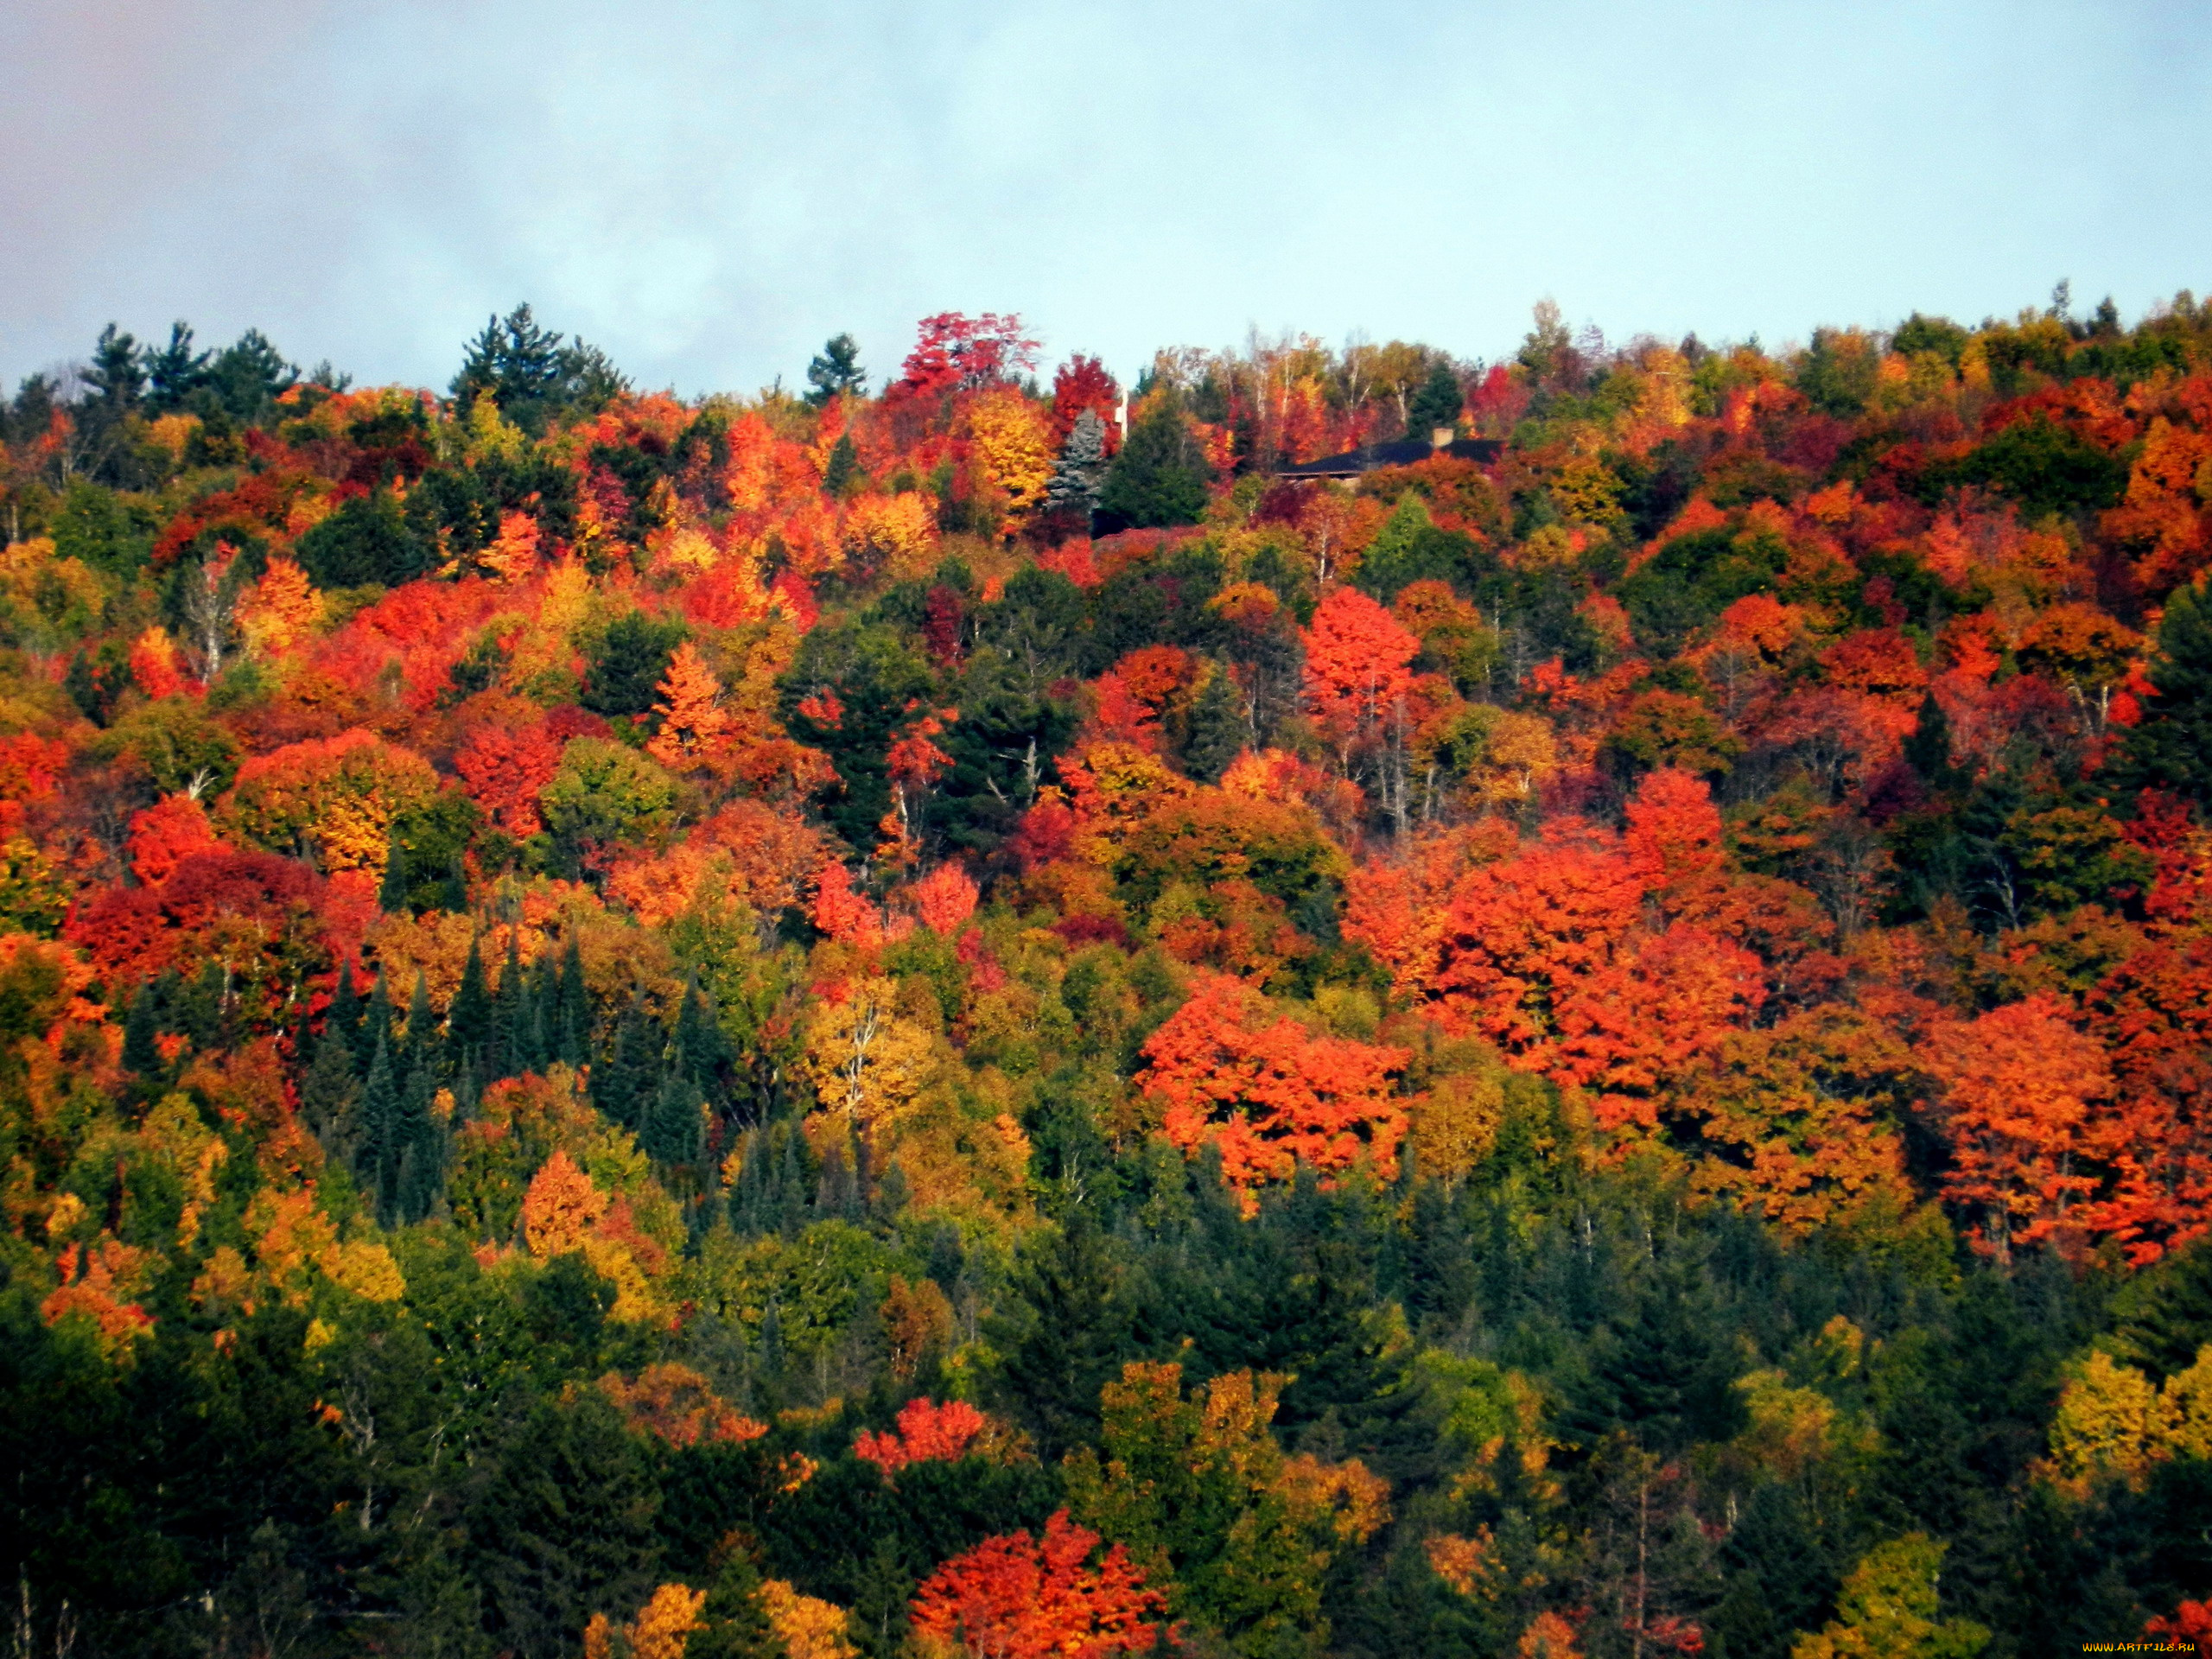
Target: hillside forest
(947,1012)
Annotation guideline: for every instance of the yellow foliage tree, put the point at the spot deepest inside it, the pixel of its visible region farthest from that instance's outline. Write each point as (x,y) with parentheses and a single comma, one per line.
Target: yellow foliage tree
(282,609)
(866,1060)
(2112,1422)
(894,533)
(659,1632)
(1887,1611)
(808,1628)
(1012,443)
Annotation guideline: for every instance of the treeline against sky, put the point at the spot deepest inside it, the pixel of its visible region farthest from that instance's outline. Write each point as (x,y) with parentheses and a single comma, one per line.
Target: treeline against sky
(943,1014)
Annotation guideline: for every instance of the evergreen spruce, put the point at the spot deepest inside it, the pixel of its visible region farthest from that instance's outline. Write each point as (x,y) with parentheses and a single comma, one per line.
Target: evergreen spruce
(419,1171)
(140,1054)
(329,1092)
(1437,403)
(1080,472)
(423,1044)
(2170,748)
(468,1020)
(1218,732)
(378,1144)
(1159,478)
(376,1022)
(842,468)
(573,1033)
(391,896)
(344,1014)
(507,1017)
(674,1132)
(625,1081)
(697,1048)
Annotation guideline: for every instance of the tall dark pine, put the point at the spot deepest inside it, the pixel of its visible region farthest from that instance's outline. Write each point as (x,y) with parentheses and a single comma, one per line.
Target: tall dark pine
(419,1170)
(329,1092)
(139,1053)
(572,1037)
(697,1048)
(1218,731)
(622,1085)
(391,896)
(675,1131)
(378,1142)
(344,1014)
(422,1043)
(836,371)
(508,1018)
(376,1023)
(2170,748)
(1437,403)
(468,1020)
(1080,472)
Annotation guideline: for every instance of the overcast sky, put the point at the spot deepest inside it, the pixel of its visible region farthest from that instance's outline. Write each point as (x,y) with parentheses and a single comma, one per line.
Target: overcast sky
(708,191)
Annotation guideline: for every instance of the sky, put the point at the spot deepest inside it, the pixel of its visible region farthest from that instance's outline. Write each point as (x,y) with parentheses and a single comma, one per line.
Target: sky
(707,192)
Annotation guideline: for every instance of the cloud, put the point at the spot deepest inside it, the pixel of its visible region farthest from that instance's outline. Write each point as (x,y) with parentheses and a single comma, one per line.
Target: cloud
(708,191)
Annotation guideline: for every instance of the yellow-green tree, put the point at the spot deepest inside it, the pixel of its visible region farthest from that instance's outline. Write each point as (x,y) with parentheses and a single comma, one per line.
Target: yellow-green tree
(1887,1610)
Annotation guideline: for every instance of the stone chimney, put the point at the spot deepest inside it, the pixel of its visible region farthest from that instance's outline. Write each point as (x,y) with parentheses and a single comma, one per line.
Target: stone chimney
(1440,437)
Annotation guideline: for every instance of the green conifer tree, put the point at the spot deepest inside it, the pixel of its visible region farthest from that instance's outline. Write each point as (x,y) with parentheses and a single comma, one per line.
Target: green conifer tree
(468,1020)
(1218,731)
(2170,747)
(139,1053)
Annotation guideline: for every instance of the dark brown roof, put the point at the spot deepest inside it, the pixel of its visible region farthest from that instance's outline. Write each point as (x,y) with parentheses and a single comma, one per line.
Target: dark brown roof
(1404,452)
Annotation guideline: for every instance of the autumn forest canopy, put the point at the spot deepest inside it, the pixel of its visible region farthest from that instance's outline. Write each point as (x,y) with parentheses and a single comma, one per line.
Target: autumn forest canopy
(970,1010)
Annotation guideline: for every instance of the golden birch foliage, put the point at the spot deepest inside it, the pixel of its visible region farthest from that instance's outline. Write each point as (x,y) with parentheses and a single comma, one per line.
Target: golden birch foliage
(281,610)
(2113,1422)
(1887,1610)
(1011,439)
(1455,1123)
(808,1628)
(866,1060)
(662,1627)
(895,533)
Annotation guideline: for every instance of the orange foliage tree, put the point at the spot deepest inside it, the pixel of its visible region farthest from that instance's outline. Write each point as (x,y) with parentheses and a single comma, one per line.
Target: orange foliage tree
(2022,1094)
(1266,1091)
(1017,1597)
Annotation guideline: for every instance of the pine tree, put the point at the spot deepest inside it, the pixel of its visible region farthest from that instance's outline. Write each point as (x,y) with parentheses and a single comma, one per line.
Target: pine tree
(1080,472)
(418,1175)
(843,466)
(733,1622)
(1073,1344)
(468,1020)
(507,1017)
(836,370)
(674,1131)
(422,1043)
(698,1047)
(140,1055)
(1159,478)
(1437,403)
(1927,750)
(329,1092)
(621,1086)
(790,1200)
(573,1034)
(376,1023)
(391,895)
(2170,748)
(377,1146)
(344,1014)
(1218,731)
